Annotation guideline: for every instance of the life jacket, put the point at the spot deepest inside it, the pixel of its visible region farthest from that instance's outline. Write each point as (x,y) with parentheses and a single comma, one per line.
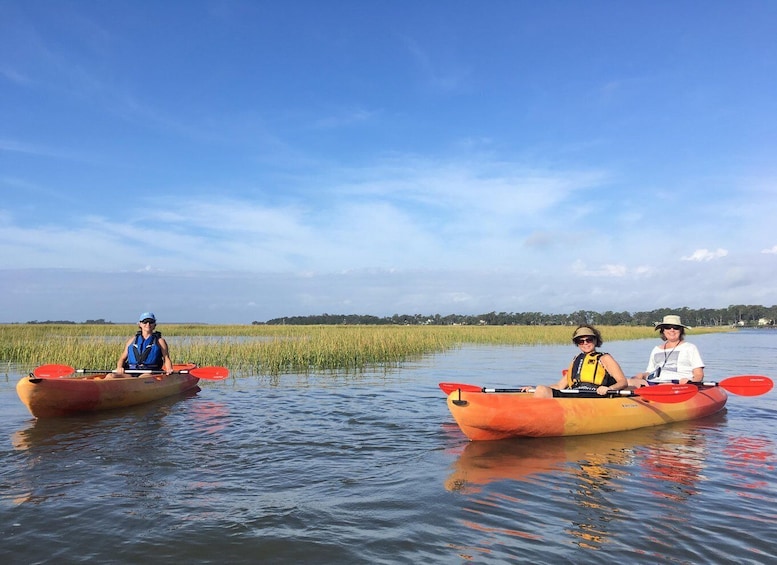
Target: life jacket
(586,368)
(145,353)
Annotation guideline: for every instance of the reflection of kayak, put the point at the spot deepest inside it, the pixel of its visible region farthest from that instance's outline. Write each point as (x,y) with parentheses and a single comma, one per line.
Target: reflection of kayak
(53,397)
(495,415)
(482,462)
(669,454)
(59,434)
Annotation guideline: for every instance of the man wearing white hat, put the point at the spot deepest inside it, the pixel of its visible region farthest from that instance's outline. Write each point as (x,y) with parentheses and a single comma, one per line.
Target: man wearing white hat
(675,360)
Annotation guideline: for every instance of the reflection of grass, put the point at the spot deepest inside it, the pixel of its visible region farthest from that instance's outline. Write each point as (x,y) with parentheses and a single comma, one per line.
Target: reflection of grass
(277,349)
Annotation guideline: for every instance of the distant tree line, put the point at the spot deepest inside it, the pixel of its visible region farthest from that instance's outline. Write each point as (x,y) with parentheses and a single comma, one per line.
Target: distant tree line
(736,315)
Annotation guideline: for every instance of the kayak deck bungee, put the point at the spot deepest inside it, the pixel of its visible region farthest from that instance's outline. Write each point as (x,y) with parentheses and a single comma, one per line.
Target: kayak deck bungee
(496,415)
(50,397)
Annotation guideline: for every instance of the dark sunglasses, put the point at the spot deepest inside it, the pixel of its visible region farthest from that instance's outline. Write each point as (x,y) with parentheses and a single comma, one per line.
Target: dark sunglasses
(148,322)
(678,328)
(580,340)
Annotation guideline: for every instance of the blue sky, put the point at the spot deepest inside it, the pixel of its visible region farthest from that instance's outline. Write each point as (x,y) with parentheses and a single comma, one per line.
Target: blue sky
(232,161)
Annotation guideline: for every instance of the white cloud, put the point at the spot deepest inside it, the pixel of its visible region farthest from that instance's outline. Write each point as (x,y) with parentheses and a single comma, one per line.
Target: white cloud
(14,76)
(705,255)
(772,250)
(579,268)
(241,297)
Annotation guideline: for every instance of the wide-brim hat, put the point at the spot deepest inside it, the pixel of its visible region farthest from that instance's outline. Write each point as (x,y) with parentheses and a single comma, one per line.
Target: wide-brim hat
(671,320)
(580,332)
(147,316)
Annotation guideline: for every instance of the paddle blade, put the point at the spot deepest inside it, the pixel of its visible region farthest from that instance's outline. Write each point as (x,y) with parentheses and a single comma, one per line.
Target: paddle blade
(52,371)
(210,373)
(448,388)
(747,385)
(668,393)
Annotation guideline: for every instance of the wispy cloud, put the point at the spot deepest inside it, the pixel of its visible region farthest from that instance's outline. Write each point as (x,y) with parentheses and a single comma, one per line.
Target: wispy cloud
(14,76)
(437,75)
(705,255)
(411,215)
(771,250)
(345,119)
(580,268)
(38,150)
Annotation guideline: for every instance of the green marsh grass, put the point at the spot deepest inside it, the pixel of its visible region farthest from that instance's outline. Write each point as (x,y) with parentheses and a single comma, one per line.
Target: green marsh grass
(275,350)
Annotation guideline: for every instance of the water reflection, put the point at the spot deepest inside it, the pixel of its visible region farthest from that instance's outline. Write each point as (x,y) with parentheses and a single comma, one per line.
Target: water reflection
(56,434)
(483,462)
(72,452)
(586,478)
(596,475)
(210,417)
(676,459)
(749,460)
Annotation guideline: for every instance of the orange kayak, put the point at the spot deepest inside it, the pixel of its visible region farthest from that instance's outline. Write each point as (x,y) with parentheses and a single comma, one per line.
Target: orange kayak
(497,415)
(49,397)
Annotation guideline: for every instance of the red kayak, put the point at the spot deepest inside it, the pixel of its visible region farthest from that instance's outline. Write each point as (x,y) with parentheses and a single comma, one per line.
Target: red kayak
(53,396)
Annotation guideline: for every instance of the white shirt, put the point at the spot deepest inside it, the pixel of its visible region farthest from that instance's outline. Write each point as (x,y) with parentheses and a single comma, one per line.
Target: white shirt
(676,362)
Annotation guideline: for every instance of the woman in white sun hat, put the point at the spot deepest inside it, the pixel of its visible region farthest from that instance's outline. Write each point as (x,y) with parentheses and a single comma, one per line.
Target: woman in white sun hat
(674,360)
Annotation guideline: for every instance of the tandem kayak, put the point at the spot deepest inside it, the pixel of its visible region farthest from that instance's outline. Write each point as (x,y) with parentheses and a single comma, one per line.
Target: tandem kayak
(50,397)
(501,415)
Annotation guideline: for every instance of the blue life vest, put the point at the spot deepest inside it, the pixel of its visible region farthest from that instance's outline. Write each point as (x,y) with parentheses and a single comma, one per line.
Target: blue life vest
(145,353)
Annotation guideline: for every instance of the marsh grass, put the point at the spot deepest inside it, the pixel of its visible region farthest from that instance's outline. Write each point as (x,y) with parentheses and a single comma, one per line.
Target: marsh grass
(277,349)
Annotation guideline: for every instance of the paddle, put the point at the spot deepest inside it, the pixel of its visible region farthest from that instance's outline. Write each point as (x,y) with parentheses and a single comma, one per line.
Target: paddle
(56,371)
(744,385)
(447,388)
(666,393)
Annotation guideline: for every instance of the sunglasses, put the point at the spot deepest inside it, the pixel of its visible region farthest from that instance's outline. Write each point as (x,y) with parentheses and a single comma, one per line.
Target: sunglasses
(580,340)
(676,328)
(152,322)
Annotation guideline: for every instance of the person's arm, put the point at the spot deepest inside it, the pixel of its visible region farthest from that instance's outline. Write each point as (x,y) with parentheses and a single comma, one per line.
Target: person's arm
(167,364)
(697,364)
(561,384)
(690,360)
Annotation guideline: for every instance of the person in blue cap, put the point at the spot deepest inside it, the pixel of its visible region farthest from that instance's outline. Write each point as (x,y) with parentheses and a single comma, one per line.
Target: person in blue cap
(146,351)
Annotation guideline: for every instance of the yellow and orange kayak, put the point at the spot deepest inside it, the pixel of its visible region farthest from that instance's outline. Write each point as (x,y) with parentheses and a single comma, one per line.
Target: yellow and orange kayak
(50,397)
(502,415)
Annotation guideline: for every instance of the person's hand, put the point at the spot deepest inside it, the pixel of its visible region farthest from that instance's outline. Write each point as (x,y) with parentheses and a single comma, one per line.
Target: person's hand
(119,370)
(602,390)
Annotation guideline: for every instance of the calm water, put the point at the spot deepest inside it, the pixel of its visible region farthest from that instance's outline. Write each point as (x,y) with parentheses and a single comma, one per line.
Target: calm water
(372,469)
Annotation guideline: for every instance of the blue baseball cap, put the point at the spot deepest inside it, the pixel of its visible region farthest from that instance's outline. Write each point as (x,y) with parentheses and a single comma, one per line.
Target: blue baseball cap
(147,316)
